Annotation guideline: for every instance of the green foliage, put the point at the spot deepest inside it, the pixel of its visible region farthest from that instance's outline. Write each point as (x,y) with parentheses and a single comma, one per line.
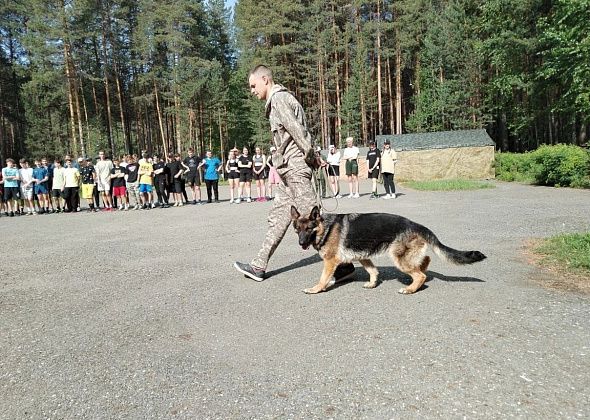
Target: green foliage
(447,79)
(560,165)
(514,167)
(572,251)
(449,185)
(518,67)
(566,53)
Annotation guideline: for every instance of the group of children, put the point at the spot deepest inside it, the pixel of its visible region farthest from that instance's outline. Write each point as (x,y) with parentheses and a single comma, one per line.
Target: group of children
(380,163)
(150,181)
(129,182)
(242,169)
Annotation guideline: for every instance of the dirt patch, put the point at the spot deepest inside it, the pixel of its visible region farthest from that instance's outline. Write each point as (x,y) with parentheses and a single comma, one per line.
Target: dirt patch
(554,275)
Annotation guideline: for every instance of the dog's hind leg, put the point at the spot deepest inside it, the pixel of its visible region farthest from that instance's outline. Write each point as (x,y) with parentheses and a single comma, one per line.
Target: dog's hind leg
(373,273)
(327,273)
(410,259)
(425,264)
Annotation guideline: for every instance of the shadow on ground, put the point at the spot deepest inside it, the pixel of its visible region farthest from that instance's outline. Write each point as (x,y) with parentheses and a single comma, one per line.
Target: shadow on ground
(390,273)
(386,273)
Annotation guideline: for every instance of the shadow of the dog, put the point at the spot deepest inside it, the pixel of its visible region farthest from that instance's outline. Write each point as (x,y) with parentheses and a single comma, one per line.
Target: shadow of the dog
(391,273)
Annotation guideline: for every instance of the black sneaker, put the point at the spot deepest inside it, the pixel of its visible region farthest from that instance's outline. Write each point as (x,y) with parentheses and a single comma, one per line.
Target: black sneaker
(343,272)
(249,271)
(11,214)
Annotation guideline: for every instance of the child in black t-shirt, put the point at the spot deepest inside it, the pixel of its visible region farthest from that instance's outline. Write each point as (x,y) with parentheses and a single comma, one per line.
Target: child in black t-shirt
(118,183)
(245,166)
(373,159)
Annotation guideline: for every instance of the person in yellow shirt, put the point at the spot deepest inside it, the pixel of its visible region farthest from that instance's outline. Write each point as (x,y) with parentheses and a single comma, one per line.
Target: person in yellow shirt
(71,187)
(146,171)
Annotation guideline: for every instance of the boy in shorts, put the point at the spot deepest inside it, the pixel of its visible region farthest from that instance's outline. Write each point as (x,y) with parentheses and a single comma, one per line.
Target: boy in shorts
(146,170)
(88,175)
(103,179)
(10,177)
(193,175)
(160,181)
(26,186)
(49,182)
(131,177)
(59,182)
(2,208)
(41,176)
(373,161)
(118,181)
(175,170)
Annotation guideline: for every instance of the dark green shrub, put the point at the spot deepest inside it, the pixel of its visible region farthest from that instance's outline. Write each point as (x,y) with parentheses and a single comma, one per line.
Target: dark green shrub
(514,167)
(561,165)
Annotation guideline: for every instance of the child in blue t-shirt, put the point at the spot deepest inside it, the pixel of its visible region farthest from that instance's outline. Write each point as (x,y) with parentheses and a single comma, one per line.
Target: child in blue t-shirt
(41,176)
(212,166)
(11,177)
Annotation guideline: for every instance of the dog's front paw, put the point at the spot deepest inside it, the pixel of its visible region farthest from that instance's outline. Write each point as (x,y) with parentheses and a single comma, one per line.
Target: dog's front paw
(312,290)
(370,285)
(405,291)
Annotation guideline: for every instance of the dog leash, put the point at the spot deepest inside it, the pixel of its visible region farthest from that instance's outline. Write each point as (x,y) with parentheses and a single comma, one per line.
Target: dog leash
(315,180)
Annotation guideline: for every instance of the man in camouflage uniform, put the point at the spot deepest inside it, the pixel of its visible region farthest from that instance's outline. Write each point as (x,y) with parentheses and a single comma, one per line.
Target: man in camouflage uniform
(293,141)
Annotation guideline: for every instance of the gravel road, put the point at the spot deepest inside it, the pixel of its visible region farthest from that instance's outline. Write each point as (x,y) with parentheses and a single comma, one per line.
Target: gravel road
(140,315)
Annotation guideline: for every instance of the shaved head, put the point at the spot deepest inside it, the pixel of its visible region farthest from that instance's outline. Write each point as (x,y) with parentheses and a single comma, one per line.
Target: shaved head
(261,70)
(260,82)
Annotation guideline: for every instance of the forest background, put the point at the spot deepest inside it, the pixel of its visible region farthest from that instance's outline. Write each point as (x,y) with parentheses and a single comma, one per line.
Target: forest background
(163,75)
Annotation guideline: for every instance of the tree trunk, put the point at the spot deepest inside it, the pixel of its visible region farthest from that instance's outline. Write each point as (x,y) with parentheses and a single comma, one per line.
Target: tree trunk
(337,134)
(220,134)
(85,110)
(160,119)
(191,116)
(390,94)
(201,131)
(126,139)
(104,19)
(398,86)
(3,139)
(177,119)
(74,141)
(379,99)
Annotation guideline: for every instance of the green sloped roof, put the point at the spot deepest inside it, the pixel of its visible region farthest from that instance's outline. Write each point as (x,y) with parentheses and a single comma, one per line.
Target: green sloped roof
(437,140)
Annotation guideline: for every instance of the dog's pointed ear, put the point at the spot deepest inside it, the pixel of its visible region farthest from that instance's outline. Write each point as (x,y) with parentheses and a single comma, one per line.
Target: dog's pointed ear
(315,213)
(294,213)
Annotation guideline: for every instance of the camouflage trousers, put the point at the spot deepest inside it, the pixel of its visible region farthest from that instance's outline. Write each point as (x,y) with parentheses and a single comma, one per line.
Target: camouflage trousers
(297,191)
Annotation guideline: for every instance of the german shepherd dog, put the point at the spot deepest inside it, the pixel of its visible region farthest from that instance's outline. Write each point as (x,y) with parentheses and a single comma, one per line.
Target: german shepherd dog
(344,238)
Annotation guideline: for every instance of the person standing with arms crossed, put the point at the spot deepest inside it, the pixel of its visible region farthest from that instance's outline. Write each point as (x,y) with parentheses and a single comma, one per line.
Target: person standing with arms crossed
(350,155)
(293,141)
(103,179)
(388,160)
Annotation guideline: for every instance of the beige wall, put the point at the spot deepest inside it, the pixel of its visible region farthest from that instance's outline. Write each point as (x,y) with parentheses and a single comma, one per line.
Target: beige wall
(451,163)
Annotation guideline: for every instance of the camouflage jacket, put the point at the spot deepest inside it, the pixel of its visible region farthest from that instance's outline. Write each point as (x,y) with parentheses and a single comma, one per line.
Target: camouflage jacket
(289,129)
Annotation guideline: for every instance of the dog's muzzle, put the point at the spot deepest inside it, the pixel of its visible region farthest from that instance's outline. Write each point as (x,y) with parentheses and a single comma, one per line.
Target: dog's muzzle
(305,239)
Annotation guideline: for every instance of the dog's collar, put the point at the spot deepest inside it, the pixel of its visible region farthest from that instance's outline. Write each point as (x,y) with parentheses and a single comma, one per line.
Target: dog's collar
(328,225)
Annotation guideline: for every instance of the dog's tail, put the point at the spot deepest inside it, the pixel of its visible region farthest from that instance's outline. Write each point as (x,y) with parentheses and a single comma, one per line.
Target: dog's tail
(449,254)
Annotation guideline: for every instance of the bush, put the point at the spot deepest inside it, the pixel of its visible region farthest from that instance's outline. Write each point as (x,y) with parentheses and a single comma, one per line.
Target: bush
(514,167)
(560,165)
